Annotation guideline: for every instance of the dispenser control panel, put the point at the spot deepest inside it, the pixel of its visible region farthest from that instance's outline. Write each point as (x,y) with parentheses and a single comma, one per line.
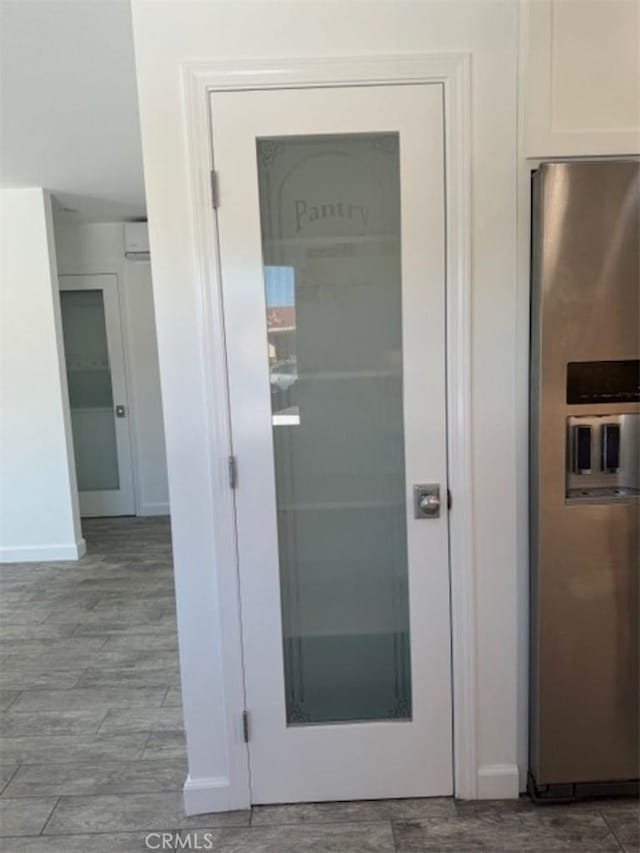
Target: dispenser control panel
(603,457)
(608,382)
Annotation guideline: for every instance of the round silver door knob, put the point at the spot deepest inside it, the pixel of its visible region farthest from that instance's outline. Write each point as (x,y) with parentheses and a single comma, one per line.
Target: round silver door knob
(429,504)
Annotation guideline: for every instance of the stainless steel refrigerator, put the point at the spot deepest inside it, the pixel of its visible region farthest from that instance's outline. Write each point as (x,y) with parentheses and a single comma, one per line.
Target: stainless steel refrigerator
(585,479)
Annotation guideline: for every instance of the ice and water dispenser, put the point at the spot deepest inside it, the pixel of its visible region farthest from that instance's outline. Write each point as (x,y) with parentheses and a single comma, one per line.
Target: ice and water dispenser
(603,449)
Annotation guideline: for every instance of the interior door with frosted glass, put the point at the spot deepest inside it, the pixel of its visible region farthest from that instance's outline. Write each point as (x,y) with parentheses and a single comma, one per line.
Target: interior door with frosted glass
(94,358)
(331,228)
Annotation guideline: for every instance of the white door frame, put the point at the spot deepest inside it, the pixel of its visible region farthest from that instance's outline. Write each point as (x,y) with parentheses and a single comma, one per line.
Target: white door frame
(453,71)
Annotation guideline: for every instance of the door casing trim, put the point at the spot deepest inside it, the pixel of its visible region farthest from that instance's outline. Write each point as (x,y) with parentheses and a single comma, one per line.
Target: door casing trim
(453,71)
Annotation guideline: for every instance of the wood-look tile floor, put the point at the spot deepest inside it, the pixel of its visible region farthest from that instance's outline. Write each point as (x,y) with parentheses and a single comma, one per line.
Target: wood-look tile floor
(93,759)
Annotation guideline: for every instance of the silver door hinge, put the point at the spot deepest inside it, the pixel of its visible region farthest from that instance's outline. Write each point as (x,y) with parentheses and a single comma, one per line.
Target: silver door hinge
(233,472)
(215,191)
(449,499)
(245,726)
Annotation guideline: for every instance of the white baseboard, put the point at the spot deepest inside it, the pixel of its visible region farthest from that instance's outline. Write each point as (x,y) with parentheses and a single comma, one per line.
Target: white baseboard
(43,553)
(206,794)
(498,782)
(153,508)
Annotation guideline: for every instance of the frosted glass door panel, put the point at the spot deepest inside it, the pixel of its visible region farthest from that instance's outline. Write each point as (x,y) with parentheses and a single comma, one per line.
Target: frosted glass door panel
(90,389)
(330,218)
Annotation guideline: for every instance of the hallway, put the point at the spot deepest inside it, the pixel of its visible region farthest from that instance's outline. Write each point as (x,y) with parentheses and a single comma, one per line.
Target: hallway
(93,756)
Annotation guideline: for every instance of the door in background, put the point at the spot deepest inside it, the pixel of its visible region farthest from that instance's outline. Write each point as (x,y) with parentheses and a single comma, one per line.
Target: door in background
(332,243)
(94,357)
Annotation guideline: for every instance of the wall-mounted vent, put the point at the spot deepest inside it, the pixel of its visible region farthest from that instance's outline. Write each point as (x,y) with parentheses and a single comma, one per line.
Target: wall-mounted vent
(136,241)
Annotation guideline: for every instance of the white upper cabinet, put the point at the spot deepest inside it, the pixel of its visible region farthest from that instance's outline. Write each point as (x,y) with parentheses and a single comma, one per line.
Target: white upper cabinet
(582,77)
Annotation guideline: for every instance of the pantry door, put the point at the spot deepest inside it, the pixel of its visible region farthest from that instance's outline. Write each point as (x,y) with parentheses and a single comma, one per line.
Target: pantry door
(331,221)
(96,377)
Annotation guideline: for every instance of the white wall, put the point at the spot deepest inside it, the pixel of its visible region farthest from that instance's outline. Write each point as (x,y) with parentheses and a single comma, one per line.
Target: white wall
(166,35)
(99,248)
(39,517)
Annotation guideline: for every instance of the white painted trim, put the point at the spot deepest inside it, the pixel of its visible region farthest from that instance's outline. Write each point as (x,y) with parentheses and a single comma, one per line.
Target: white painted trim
(461,532)
(453,71)
(523,234)
(129,366)
(498,782)
(206,794)
(208,287)
(43,553)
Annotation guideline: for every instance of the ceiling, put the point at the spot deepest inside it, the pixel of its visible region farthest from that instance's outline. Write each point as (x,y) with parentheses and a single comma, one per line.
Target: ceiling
(69,106)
